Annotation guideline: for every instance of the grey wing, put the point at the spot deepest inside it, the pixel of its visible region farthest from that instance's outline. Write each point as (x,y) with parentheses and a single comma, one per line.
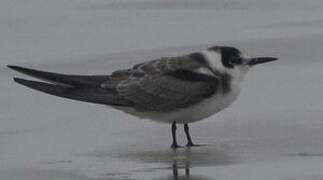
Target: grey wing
(168,91)
(164,84)
(152,68)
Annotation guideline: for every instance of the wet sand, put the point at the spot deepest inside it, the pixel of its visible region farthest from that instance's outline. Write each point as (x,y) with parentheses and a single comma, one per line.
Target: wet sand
(273,131)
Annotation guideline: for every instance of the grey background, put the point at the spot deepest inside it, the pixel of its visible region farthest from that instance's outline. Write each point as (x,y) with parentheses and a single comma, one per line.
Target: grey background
(273,131)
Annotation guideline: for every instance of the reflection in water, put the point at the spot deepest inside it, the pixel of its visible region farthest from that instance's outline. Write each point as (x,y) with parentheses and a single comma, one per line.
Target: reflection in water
(175,170)
(181,161)
(183,164)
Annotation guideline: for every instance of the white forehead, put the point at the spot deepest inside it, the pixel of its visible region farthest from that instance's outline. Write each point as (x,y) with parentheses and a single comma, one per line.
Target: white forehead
(214,59)
(244,55)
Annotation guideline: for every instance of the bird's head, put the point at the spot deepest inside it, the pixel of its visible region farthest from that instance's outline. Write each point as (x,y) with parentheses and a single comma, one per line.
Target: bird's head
(230,60)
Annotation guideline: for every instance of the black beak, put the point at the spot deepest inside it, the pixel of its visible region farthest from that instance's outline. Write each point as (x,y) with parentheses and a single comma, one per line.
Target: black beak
(260,60)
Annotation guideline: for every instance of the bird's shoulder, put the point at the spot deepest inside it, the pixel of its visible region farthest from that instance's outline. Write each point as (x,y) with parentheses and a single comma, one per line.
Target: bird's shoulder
(170,66)
(165,65)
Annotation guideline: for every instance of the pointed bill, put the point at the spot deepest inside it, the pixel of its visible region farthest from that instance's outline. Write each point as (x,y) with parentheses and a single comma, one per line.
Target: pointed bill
(260,60)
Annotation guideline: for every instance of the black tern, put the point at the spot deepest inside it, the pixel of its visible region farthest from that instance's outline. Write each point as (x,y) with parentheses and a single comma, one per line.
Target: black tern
(182,89)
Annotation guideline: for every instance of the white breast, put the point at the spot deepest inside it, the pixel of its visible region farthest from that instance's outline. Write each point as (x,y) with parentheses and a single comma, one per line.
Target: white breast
(197,112)
(202,110)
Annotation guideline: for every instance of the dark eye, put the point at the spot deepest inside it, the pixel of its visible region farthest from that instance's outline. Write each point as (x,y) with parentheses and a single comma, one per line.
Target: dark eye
(236,60)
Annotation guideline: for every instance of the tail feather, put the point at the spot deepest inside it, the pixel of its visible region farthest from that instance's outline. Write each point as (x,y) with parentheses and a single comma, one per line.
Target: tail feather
(72,80)
(93,95)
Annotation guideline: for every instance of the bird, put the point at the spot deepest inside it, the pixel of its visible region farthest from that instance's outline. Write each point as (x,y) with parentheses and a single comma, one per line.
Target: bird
(176,90)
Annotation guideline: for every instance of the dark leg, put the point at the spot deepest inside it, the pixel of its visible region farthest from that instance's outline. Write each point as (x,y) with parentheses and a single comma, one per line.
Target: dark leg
(174,144)
(188,136)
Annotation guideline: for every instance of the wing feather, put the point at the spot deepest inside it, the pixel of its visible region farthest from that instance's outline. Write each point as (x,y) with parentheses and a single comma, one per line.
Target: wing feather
(164,84)
(168,92)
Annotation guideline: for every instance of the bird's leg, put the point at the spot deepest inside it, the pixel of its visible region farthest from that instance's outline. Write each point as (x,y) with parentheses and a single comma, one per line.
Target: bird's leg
(188,136)
(174,144)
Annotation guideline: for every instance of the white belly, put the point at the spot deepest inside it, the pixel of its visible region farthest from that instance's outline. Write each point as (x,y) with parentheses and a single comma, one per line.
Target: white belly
(197,112)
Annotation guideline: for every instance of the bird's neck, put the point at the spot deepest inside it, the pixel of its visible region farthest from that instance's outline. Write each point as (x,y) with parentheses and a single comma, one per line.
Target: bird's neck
(230,83)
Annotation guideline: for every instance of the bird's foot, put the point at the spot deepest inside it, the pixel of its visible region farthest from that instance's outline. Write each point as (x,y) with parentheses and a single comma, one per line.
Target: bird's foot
(190,144)
(175,146)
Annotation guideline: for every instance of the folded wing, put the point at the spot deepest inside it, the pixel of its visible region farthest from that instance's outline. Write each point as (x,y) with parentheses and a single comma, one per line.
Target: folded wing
(169,91)
(164,84)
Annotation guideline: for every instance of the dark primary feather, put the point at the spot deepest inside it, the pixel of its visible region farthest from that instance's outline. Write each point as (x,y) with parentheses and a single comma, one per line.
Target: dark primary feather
(93,95)
(73,80)
(77,87)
